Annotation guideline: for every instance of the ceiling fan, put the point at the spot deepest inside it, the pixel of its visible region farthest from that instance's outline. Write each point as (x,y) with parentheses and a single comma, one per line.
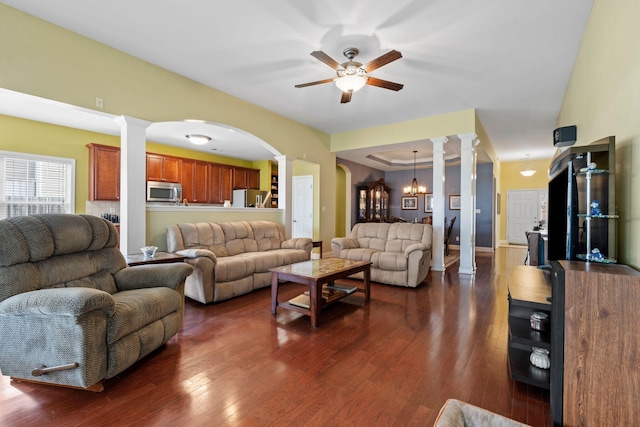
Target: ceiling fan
(352,75)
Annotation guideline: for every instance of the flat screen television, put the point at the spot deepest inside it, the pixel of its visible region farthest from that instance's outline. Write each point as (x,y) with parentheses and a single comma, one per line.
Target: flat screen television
(567,231)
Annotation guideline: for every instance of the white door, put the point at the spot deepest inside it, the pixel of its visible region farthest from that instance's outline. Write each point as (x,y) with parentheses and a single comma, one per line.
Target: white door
(523,212)
(302,213)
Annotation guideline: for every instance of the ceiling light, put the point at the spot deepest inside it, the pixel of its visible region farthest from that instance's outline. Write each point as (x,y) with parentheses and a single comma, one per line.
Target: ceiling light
(352,78)
(528,171)
(414,188)
(198,139)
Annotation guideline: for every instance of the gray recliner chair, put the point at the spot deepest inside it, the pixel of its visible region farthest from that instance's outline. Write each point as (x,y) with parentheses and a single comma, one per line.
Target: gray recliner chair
(71,312)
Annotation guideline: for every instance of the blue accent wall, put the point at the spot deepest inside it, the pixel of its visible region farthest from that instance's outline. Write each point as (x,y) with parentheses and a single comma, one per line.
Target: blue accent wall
(398,180)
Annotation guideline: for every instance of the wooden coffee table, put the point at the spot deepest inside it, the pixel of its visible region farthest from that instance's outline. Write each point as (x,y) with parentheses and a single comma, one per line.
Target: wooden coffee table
(315,273)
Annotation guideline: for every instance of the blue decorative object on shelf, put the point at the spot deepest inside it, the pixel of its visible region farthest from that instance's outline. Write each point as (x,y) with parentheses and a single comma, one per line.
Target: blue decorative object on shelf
(595,208)
(596,255)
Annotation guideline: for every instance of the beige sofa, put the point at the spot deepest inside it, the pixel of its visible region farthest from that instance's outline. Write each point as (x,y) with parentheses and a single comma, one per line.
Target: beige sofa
(233,258)
(400,253)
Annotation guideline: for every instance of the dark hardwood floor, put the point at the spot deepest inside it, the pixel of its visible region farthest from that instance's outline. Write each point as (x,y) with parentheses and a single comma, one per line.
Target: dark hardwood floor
(393,362)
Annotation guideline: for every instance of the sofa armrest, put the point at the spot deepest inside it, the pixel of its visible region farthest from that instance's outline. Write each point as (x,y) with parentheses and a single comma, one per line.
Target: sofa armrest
(70,302)
(152,276)
(297,243)
(338,244)
(415,247)
(196,253)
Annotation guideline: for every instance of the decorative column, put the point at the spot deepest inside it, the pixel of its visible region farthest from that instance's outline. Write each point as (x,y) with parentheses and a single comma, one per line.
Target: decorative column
(468,156)
(437,247)
(285,188)
(133,160)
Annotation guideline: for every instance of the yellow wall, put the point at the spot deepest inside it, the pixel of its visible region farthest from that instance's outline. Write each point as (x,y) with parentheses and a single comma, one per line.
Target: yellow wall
(412,130)
(603,99)
(27,136)
(511,179)
(44,60)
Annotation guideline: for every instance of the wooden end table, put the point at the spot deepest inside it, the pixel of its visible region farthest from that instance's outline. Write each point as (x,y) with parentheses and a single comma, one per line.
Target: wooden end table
(315,273)
(159,258)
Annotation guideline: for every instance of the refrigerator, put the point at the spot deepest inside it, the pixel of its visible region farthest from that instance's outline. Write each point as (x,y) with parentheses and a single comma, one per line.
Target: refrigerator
(248,198)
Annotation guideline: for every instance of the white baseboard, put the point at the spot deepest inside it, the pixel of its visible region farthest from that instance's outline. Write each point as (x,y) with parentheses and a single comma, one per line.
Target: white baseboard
(478,248)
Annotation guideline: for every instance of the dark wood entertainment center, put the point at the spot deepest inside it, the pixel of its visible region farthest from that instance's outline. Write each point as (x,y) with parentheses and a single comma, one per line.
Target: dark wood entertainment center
(594,342)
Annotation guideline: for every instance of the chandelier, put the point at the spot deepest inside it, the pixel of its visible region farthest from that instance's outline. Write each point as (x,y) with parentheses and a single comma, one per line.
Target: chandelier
(414,188)
(528,171)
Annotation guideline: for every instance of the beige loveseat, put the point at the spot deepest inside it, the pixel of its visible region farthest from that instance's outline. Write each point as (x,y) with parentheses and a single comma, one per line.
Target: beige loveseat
(400,253)
(233,258)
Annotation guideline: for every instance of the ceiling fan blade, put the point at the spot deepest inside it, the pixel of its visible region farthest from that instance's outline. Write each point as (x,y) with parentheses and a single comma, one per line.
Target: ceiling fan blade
(346,97)
(390,56)
(315,83)
(323,57)
(384,84)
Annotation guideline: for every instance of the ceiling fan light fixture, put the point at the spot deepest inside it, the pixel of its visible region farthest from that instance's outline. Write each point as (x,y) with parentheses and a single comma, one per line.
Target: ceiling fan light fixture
(197,139)
(351,83)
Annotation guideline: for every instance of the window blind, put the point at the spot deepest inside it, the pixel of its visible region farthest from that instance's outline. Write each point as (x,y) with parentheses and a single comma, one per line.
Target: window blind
(33,184)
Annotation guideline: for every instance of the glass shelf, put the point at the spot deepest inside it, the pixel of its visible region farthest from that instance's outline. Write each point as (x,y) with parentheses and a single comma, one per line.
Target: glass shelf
(592,172)
(599,216)
(585,257)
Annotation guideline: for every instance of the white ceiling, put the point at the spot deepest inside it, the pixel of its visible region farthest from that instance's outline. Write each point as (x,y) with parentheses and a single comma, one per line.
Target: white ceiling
(511,60)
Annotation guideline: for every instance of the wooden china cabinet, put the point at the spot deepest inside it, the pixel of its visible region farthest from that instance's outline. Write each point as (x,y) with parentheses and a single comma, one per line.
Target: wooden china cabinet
(372,202)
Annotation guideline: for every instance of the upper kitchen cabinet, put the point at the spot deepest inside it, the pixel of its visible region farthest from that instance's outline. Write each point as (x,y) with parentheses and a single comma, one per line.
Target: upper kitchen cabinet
(246,178)
(163,168)
(221,180)
(195,181)
(104,172)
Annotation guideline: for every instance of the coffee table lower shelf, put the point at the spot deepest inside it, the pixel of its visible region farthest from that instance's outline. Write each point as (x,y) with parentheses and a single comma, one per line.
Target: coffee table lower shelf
(314,274)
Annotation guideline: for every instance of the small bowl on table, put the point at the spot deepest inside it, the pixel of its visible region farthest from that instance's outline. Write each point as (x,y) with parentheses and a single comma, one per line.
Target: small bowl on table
(149,251)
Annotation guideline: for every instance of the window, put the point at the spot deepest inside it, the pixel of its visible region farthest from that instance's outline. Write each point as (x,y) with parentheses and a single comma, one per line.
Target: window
(33,184)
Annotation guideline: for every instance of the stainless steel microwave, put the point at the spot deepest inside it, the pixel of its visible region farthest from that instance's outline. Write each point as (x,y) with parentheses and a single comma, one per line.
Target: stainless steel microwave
(163,191)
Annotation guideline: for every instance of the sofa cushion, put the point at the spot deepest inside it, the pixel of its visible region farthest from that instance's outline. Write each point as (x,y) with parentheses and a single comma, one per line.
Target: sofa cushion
(372,235)
(233,268)
(138,308)
(204,235)
(291,256)
(262,261)
(239,237)
(358,254)
(392,261)
(268,235)
(401,236)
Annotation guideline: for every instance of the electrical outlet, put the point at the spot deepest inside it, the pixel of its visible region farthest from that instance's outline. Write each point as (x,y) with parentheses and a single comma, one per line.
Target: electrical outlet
(99,102)
(457,238)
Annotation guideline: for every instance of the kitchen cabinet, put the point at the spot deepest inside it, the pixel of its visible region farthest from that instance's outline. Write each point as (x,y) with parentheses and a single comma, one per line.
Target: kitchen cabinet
(244,178)
(195,181)
(221,183)
(163,168)
(104,172)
